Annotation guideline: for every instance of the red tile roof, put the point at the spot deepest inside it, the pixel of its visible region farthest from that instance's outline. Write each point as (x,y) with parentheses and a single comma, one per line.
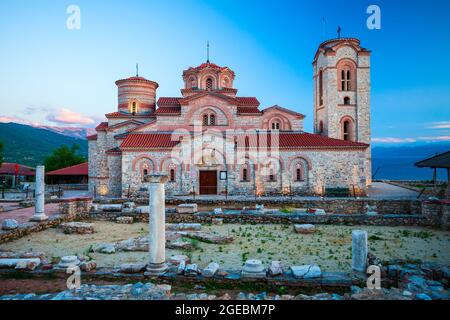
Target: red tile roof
(92,137)
(148,140)
(11,168)
(248,110)
(169,101)
(298,140)
(247,101)
(76,170)
(102,126)
(287,140)
(168,110)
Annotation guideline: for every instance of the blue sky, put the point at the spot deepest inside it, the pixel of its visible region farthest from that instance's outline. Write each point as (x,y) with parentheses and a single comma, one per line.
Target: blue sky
(56,76)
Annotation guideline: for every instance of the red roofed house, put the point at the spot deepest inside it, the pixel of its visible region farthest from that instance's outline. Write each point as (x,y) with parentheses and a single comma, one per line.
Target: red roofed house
(209,140)
(77,174)
(13,173)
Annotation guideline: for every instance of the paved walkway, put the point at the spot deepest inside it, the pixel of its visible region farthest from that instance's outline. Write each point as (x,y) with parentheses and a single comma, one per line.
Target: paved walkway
(24,215)
(381,190)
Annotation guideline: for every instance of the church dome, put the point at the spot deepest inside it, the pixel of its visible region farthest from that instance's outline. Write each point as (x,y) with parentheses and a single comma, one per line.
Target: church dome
(208,76)
(136,95)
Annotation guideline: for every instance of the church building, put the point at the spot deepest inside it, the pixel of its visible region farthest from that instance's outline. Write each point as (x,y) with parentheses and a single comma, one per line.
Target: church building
(209,140)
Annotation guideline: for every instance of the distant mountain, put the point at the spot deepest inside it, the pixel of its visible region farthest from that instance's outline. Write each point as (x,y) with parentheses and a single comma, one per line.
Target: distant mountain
(79,133)
(397,162)
(30,145)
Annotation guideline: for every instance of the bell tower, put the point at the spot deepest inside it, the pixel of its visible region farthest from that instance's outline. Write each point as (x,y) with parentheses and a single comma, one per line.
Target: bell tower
(342,92)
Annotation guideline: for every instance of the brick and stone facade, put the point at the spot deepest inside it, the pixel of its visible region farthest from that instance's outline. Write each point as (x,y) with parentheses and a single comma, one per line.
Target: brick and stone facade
(212,141)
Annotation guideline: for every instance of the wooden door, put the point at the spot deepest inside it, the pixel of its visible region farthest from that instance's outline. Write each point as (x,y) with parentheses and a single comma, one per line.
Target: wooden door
(208,182)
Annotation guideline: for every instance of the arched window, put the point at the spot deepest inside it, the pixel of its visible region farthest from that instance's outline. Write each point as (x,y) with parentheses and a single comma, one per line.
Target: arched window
(347,75)
(321,127)
(145,172)
(209,84)
(276,125)
(346,100)
(225,82)
(192,82)
(346,130)
(245,174)
(298,174)
(320,87)
(209,119)
(134,107)
(271,175)
(172,175)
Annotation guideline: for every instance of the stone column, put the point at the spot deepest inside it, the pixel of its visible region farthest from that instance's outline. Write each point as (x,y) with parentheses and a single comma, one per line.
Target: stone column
(359,250)
(39,210)
(157,224)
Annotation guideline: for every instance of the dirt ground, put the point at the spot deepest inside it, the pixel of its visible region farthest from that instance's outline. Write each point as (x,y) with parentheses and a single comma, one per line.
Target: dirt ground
(329,247)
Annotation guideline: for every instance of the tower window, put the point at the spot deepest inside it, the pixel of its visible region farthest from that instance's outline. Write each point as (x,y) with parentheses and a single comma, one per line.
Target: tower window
(209,84)
(145,172)
(205,119)
(346,130)
(320,87)
(134,107)
(172,175)
(346,100)
(245,174)
(346,80)
(298,174)
(321,127)
(271,176)
(212,120)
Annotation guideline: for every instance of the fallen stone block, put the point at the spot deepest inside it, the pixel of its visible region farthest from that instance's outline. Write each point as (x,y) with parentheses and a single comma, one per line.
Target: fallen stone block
(68,261)
(183,226)
(9,224)
(107,248)
(124,220)
(211,269)
(77,228)
(12,263)
(133,267)
(191,269)
(209,238)
(306,271)
(128,207)
(179,244)
(26,265)
(187,208)
(88,266)
(253,268)
(133,244)
(275,268)
(217,221)
(304,228)
(175,260)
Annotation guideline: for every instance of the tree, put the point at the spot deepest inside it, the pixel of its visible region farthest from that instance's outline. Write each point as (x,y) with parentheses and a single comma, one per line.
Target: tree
(1,153)
(63,157)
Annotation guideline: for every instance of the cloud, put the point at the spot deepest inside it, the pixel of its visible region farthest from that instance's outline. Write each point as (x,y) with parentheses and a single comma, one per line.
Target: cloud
(6,119)
(434,139)
(68,117)
(440,125)
(394,140)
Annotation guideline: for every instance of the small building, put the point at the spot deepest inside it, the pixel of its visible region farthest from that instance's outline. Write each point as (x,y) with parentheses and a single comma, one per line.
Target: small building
(77,174)
(439,161)
(11,174)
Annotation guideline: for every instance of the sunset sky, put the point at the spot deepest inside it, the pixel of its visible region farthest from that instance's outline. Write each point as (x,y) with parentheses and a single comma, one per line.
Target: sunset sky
(55,76)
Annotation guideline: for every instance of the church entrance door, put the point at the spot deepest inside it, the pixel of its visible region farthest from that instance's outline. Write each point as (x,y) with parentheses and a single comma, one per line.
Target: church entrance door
(208,182)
